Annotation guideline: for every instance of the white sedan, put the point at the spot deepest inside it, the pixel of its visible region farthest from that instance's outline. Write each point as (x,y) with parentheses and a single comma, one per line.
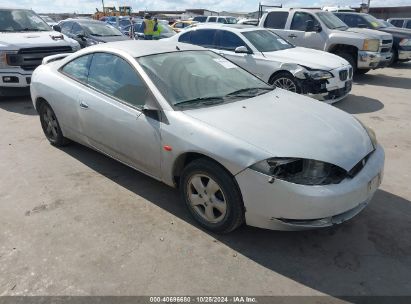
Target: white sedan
(319,74)
(239,149)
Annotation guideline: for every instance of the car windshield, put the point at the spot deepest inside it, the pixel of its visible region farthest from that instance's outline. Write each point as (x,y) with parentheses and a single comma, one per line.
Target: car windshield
(165,28)
(101,29)
(231,20)
(266,41)
(200,78)
(374,22)
(21,20)
(331,21)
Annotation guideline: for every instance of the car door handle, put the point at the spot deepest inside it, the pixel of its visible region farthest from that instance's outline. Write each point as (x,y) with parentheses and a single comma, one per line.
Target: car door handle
(83,105)
(292,36)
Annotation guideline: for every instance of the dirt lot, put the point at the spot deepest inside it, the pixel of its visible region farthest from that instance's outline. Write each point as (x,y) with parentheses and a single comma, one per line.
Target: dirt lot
(74,222)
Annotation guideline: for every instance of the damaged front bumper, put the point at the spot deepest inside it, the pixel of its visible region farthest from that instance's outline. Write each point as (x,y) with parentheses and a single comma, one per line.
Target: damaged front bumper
(332,89)
(283,205)
(373,60)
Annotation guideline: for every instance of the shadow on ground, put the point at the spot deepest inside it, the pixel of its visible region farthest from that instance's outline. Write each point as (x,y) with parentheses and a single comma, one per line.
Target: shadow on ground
(20,105)
(355,104)
(383,80)
(370,255)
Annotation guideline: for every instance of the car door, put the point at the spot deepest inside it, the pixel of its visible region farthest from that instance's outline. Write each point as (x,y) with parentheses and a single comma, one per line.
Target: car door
(298,34)
(74,77)
(112,117)
(225,44)
(277,22)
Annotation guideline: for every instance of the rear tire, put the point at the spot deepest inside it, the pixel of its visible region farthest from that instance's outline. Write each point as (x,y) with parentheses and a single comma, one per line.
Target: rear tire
(212,196)
(51,126)
(286,81)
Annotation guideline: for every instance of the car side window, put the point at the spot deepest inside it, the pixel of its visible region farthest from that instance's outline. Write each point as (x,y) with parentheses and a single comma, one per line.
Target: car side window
(221,20)
(78,68)
(397,23)
(229,41)
(185,38)
(276,20)
(300,19)
(204,38)
(408,26)
(66,27)
(212,19)
(116,77)
(77,29)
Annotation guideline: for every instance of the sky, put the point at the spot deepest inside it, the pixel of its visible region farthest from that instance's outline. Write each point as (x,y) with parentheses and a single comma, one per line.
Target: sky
(89,6)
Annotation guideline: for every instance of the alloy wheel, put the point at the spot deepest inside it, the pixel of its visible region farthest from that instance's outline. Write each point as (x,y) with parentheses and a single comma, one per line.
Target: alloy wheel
(286,84)
(206,198)
(50,123)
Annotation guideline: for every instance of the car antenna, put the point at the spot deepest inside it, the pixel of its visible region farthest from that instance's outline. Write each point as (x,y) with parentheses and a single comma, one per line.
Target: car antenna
(177,48)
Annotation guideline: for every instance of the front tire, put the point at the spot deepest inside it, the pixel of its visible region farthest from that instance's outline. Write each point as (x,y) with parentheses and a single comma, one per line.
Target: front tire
(51,126)
(352,60)
(212,196)
(286,81)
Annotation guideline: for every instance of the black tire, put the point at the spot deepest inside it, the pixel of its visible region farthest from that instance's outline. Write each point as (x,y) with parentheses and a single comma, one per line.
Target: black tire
(286,76)
(51,126)
(234,214)
(363,71)
(394,57)
(352,60)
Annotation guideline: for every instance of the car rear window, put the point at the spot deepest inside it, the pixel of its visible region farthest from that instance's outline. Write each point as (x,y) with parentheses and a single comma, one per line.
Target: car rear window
(276,20)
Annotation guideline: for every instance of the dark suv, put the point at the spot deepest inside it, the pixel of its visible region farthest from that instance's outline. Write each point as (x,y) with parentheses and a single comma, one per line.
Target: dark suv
(402,37)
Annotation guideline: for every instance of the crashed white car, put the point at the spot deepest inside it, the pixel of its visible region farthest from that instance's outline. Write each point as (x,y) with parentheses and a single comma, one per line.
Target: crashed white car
(319,74)
(239,149)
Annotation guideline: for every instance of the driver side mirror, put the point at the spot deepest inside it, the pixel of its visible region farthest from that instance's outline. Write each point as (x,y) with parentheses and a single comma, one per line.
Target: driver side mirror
(57,28)
(151,112)
(242,50)
(81,35)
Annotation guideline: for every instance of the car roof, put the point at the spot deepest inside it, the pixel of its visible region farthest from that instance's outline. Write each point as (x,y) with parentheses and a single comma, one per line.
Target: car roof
(140,48)
(289,9)
(230,27)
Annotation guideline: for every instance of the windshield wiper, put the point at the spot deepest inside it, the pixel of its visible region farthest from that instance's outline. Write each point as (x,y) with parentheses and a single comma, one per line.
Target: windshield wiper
(202,100)
(256,89)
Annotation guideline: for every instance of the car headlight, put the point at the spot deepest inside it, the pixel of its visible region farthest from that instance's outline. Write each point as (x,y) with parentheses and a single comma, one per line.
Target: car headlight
(301,171)
(93,42)
(371,45)
(405,42)
(320,75)
(371,134)
(3,59)
(76,47)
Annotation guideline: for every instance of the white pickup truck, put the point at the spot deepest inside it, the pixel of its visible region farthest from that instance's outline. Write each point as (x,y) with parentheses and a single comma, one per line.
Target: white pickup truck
(364,49)
(25,39)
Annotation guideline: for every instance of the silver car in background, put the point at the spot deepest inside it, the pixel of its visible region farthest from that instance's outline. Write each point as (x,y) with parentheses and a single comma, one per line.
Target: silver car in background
(239,149)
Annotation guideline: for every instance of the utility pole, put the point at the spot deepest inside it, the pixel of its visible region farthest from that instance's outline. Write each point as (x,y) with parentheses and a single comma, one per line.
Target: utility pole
(102,1)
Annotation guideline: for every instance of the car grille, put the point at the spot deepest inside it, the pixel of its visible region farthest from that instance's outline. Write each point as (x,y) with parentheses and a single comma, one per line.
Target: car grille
(385,50)
(30,58)
(343,75)
(387,42)
(350,72)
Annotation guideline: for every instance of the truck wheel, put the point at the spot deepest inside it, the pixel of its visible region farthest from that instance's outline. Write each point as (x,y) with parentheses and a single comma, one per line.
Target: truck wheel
(394,57)
(286,81)
(350,58)
(212,196)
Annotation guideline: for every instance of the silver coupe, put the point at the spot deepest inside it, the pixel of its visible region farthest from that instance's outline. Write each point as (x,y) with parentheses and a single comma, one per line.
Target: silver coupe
(239,150)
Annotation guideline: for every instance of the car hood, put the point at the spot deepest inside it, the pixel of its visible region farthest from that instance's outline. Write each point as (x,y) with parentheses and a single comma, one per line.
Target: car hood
(370,32)
(308,57)
(397,32)
(16,41)
(110,38)
(285,124)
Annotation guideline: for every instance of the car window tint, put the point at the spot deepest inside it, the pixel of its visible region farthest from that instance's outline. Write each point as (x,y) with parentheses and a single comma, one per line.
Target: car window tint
(229,41)
(78,68)
(77,29)
(276,20)
(212,19)
(204,38)
(115,77)
(355,21)
(66,27)
(397,23)
(221,20)
(185,38)
(408,24)
(300,19)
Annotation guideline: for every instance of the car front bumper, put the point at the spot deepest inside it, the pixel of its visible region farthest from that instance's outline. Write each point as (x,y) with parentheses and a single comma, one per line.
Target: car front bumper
(373,60)
(286,206)
(15,78)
